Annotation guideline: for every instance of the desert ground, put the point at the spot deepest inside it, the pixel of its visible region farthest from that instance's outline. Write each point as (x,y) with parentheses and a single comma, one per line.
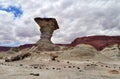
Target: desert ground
(81,62)
(87,69)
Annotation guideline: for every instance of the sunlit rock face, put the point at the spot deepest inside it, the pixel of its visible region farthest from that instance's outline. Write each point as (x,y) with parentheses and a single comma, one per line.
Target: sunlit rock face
(47,27)
(79,52)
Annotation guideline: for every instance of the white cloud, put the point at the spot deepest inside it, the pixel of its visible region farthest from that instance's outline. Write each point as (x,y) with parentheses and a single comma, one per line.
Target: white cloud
(76,18)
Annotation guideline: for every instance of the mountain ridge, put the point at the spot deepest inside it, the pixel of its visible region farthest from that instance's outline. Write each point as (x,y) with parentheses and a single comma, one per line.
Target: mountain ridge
(98,41)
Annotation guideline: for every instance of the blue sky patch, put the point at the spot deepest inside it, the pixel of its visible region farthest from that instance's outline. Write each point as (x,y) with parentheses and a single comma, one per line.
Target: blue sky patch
(17,11)
(11,44)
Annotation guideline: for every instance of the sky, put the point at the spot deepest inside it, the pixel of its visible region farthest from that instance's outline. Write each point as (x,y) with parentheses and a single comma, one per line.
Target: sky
(76,18)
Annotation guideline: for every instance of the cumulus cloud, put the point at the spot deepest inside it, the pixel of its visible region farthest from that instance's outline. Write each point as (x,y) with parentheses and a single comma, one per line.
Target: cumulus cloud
(76,18)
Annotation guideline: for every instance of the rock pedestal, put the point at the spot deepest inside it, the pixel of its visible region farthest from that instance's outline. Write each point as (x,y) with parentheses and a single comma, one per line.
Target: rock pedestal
(47,27)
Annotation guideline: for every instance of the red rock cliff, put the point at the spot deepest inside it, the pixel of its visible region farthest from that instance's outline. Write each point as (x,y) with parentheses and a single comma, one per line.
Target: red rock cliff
(99,42)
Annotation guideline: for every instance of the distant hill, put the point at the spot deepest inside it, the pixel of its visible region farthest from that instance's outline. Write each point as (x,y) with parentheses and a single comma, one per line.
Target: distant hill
(99,42)
(2,48)
(26,46)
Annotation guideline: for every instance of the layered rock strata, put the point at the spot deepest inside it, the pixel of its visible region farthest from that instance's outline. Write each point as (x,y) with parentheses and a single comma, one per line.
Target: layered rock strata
(99,42)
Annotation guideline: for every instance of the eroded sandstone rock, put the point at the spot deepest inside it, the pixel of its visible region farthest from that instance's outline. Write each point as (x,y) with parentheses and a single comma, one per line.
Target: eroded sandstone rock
(47,27)
(81,51)
(17,57)
(112,51)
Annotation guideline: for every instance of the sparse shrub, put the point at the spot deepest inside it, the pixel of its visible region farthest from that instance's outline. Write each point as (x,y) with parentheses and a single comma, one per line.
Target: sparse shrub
(15,49)
(1,57)
(11,52)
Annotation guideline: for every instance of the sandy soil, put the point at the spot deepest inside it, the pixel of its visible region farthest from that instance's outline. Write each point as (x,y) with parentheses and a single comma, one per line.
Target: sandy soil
(59,70)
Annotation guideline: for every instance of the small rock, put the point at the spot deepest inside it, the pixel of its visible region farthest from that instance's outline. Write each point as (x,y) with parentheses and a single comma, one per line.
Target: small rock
(21,64)
(78,67)
(101,65)
(40,67)
(31,73)
(87,65)
(47,68)
(68,62)
(106,66)
(58,68)
(69,66)
(73,66)
(80,70)
(34,74)
(35,67)
(58,60)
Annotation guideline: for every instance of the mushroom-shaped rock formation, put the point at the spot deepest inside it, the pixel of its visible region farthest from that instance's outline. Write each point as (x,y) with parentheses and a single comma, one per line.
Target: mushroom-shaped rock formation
(47,27)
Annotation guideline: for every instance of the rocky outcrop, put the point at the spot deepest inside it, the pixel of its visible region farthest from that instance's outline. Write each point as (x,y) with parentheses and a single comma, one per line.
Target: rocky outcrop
(112,51)
(17,57)
(79,52)
(47,27)
(99,42)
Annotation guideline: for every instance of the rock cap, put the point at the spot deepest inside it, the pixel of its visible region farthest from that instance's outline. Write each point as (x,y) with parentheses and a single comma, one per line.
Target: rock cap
(43,22)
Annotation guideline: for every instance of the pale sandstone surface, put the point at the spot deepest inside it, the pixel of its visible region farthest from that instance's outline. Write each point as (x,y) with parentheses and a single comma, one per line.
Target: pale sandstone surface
(72,70)
(79,52)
